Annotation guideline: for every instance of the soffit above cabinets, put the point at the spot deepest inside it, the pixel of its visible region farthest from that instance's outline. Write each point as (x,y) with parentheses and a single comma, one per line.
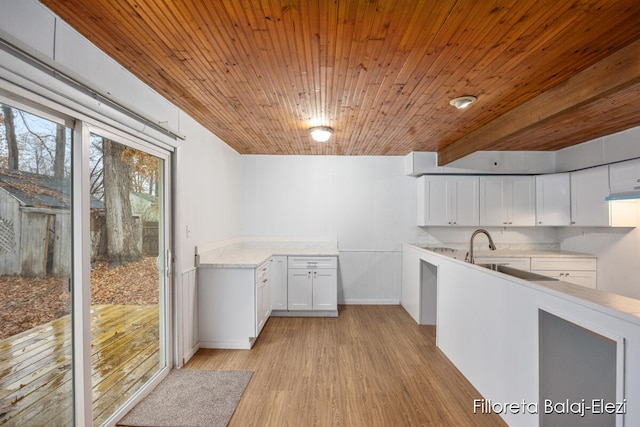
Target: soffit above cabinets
(547,74)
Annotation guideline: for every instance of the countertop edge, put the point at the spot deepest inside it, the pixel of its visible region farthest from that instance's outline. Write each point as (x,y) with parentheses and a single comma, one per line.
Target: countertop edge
(252,257)
(606,302)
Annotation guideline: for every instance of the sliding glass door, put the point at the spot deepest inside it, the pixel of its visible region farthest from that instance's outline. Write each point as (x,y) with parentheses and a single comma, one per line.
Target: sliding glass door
(84,304)
(127,271)
(35,269)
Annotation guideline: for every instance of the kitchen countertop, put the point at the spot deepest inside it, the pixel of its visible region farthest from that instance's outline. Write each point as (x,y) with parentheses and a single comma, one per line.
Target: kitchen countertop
(457,252)
(252,257)
(612,303)
(619,303)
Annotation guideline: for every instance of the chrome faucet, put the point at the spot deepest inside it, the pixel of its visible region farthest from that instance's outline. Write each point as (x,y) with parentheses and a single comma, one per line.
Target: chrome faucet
(492,246)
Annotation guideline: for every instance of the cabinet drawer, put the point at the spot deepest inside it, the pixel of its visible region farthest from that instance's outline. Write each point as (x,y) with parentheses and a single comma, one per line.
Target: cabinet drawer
(514,262)
(262,272)
(312,262)
(563,263)
(582,278)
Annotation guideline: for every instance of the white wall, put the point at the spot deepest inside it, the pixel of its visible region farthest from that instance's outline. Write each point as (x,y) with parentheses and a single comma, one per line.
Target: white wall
(367,203)
(618,252)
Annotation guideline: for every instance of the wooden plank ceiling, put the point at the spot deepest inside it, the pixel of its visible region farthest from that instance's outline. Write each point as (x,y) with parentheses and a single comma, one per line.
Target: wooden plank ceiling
(259,73)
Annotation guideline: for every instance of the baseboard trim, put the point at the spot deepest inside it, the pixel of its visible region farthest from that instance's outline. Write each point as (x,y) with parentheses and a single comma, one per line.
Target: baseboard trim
(371,302)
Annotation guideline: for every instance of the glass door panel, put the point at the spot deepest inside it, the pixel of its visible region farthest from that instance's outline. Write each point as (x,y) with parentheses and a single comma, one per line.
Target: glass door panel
(127,272)
(35,266)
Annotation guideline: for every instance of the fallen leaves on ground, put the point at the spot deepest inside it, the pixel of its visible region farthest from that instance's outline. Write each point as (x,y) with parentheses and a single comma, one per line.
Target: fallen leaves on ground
(26,302)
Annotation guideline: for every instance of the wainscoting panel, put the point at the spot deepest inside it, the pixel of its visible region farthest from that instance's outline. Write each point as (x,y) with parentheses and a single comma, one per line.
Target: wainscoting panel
(369,277)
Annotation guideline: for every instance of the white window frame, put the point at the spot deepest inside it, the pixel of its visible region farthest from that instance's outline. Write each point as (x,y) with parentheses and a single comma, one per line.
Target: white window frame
(82,126)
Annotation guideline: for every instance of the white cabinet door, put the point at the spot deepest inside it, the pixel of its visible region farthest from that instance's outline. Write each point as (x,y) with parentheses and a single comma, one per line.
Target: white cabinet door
(507,200)
(445,200)
(577,270)
(624,177)
(521,200)
(260,317)
(493,202)
(465,200)
(589,187)
(266,301)
(325,290)
(300,284)
(553,199)
(434,206)
(278,282)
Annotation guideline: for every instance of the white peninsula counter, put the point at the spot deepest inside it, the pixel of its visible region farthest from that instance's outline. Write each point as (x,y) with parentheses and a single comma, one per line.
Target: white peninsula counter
(539,346)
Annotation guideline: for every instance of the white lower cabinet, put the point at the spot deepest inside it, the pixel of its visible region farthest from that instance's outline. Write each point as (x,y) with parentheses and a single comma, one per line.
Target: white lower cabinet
(300,295)
(263,296)
(312,284)
(579,271)
(233,305)
(582,278)
(278,280)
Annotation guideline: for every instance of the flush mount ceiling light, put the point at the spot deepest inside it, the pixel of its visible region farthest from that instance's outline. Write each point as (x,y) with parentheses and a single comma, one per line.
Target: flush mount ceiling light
(321,133)
(462,101)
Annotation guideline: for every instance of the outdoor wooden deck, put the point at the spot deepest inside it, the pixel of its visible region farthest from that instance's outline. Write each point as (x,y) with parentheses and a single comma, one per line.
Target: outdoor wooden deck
(35,365)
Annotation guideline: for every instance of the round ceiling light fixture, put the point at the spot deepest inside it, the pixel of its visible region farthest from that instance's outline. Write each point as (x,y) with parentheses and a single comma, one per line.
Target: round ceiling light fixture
(321,133)
(462,101)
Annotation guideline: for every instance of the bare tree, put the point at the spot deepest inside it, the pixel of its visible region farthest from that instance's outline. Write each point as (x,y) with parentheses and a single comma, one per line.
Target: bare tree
(61,139)
(122,247)
(12,141)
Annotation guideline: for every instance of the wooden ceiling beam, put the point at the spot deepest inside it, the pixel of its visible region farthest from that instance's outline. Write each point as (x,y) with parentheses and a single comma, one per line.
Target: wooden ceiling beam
(615,73)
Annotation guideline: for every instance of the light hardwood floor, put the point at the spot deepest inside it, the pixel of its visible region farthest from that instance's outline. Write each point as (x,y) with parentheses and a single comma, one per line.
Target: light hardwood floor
(371,366)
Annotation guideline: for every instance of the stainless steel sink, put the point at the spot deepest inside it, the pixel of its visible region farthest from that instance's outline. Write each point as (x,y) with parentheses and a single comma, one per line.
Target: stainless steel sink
(521,274)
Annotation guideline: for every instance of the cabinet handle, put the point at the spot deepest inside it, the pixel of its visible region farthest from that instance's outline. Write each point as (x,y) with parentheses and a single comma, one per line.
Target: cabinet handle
(265,280)
(573,222)
(449,222)
(504,223)
(510,223)
(539,222)
(566,274)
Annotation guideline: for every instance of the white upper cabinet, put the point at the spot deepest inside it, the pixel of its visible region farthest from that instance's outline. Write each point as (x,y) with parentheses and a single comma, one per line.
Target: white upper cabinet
(507,200)
(589,188)
(624,177)
(448,200)
(553,199)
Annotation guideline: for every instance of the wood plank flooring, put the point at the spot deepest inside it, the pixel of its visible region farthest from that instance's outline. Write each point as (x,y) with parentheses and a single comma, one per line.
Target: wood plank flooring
(35,366)
(371,366)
